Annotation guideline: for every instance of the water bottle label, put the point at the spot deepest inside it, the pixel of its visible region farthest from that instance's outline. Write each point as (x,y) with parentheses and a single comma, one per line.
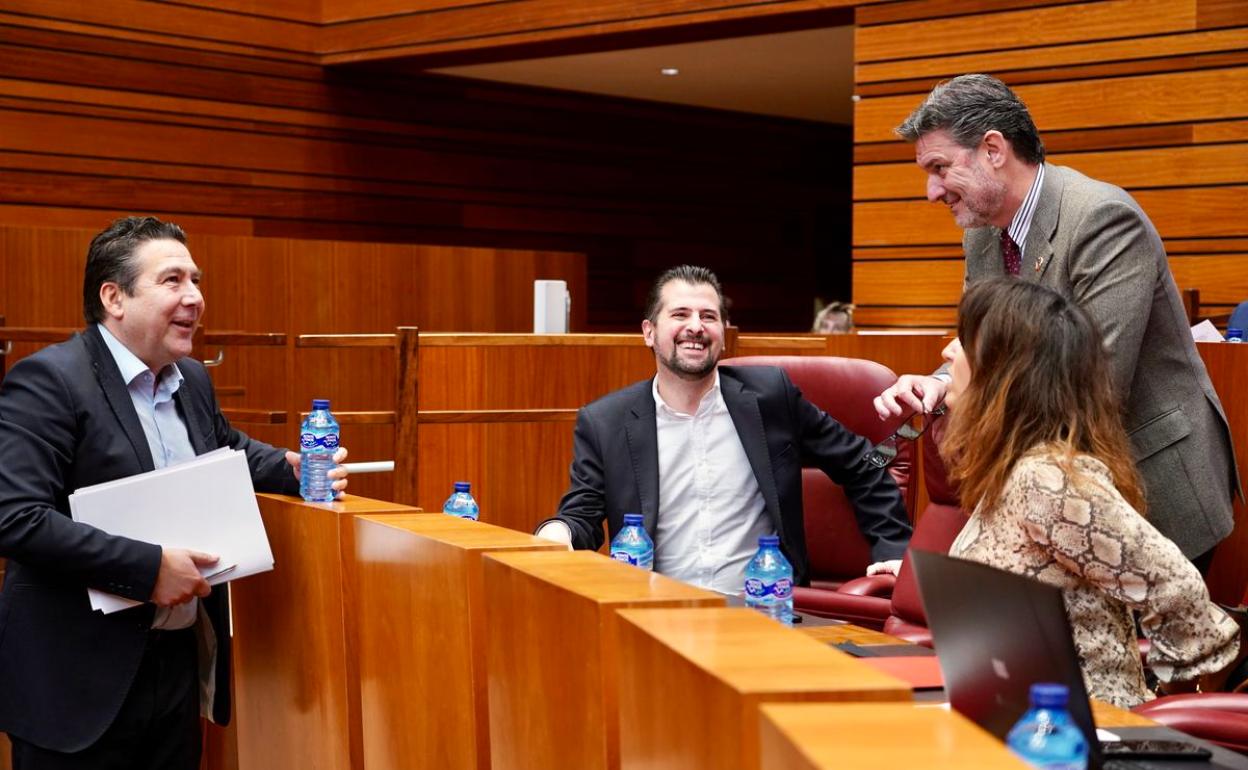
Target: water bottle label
(625,557)
(310,441)
(782,589)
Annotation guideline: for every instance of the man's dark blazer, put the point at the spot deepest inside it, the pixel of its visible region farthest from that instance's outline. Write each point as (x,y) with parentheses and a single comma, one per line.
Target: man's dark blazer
(67,421)
(615,464)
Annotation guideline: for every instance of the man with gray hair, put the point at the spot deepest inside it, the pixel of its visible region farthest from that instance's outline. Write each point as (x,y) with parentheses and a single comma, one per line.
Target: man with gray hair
(983,157)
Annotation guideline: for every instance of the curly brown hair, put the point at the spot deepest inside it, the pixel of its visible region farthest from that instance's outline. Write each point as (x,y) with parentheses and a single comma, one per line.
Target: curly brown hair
(1039,376)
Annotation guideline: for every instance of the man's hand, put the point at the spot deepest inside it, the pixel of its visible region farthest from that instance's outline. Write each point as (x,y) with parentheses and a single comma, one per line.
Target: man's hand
(890,567)
(338,474)
(179,580)
(915,392)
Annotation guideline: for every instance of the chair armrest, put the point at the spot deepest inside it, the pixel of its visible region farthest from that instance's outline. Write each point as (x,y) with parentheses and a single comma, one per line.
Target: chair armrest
(869,585)
(866,611)
(1232,702)
(1227,729)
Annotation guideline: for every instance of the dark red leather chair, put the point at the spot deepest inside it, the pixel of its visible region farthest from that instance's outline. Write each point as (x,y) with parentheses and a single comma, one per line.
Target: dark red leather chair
(844,388)
(1217,717)
(893,604)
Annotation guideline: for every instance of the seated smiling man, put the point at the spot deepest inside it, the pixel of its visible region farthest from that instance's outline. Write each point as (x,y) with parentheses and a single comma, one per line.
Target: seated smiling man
(711,456)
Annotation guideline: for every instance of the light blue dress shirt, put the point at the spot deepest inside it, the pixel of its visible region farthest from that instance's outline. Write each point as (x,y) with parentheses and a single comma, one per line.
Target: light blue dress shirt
(166,433)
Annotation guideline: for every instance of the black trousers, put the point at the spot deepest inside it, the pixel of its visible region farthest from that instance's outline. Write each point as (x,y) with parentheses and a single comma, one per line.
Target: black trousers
(157,727)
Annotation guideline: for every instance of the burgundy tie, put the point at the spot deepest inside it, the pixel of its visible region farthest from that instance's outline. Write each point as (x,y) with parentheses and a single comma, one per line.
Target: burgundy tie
(1011,255)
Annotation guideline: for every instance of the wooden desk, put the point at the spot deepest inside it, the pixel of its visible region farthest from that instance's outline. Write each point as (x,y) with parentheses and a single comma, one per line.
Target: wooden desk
(827,736)
(691,682)
(1103,714)
(422,631)
(552,656)
(848,632)
(296,683)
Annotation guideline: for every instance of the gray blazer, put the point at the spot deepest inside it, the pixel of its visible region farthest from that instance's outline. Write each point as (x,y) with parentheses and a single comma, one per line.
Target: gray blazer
(1093,243)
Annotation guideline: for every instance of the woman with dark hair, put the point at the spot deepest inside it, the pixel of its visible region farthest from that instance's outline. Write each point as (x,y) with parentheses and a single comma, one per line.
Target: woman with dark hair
(1036,442)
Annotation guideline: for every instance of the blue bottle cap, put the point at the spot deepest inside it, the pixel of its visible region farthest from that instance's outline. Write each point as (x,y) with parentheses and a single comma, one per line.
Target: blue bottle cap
(768,541)
(632,519)
(1048,695)
(462,486)
(320,403)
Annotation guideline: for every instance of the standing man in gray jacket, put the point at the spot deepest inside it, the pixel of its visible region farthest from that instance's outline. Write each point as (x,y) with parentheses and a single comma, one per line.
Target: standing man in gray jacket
(1089,240)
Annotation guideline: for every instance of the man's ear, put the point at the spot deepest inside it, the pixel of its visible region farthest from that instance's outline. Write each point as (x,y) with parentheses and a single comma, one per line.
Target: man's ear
(997,146)
(647,332)
(110,298)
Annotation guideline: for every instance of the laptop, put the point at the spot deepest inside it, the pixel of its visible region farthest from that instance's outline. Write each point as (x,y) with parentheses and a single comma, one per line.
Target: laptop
(997,633)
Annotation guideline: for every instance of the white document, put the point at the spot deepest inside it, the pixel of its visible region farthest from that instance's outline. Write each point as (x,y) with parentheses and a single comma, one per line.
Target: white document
(206,504)
(1205,331)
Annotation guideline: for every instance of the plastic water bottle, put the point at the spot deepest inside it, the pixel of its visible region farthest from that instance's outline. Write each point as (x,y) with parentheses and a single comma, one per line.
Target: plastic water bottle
(1234,335)
(632,545)
(461,504)
(318,440)
(769,581)
(1046,737)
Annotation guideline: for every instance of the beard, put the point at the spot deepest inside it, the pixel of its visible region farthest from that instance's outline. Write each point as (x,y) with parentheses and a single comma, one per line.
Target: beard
(981,202)
(688,371)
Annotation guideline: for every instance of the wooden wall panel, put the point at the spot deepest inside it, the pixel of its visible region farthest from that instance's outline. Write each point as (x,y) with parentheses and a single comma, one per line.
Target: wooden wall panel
(361,30)
(1065,23)
(219,27)
(258,146)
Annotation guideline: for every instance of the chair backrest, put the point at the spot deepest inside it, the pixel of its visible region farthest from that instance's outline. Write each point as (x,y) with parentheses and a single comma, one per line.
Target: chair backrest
(844,388)
(936,529)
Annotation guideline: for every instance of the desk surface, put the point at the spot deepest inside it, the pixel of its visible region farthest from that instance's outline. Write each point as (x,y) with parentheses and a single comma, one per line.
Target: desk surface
(823,736)
(1104,714)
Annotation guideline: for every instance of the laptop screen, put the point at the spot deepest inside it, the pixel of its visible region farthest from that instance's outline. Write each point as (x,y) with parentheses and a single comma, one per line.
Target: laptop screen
(996,634)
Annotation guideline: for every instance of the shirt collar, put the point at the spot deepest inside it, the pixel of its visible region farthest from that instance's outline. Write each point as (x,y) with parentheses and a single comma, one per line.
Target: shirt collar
(709,397)
(130,365)
(1021,224)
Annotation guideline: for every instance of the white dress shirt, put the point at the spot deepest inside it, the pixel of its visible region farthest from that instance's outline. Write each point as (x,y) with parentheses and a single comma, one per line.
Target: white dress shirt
(1020,225)
(166,434)
(711,511)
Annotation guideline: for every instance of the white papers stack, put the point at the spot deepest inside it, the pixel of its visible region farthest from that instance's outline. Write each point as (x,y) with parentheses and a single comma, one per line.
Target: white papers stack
(206,504)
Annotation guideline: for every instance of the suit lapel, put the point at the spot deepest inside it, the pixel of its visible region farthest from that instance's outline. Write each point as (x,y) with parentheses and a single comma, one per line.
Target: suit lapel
(1039,250)
(983,253)
(743,408)
(643,449)
(118,397)
(183,397)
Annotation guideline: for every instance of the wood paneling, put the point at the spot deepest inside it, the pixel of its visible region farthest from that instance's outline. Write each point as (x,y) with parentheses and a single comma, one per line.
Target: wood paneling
(1228,368)
(709,663)
(1201,165)
(455,27)
(213,28)
(561,712)
(1164,98)
(94,123)
(423,624)
(1063,23)
(296,680)
(1159,48)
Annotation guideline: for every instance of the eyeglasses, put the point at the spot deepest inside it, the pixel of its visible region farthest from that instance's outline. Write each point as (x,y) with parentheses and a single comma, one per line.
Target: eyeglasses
(886,451)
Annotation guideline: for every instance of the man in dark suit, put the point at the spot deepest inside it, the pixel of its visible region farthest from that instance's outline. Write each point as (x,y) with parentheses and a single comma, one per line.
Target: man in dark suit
(711,456)
(82,689)
(1090,241)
